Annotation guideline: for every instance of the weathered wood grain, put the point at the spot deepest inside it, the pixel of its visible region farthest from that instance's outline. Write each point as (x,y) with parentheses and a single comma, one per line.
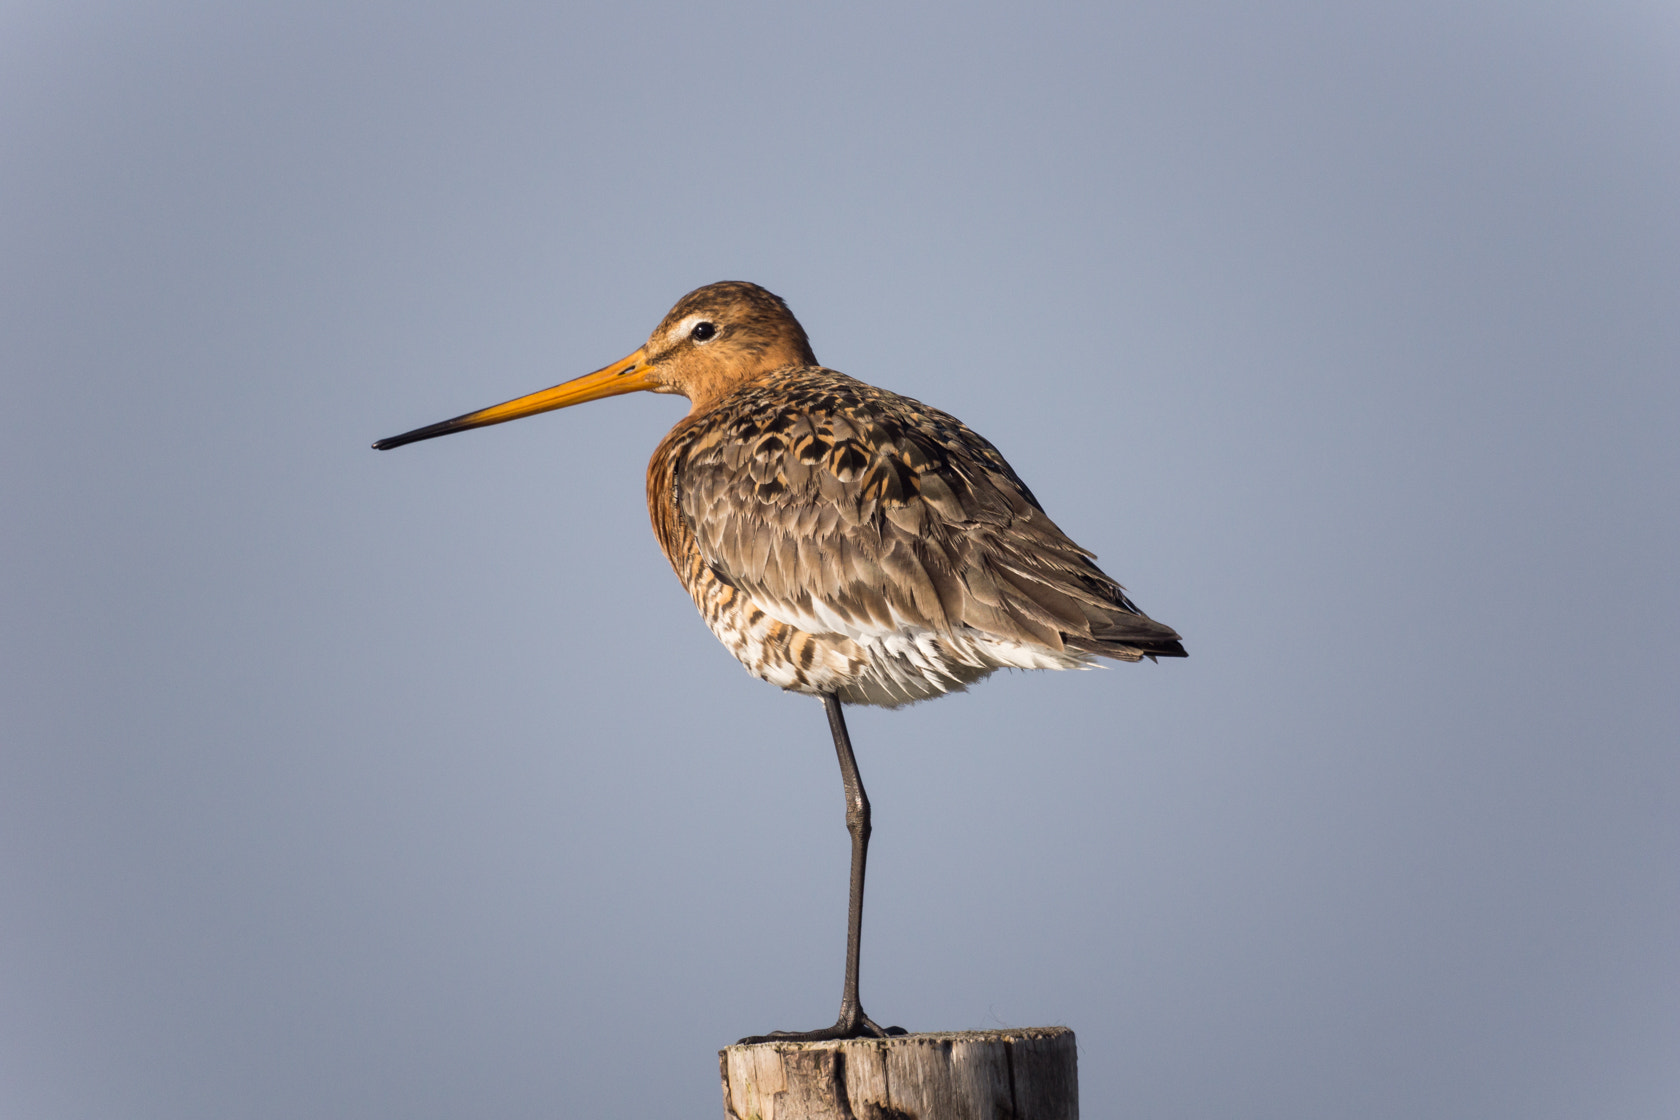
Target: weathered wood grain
(1028,1074)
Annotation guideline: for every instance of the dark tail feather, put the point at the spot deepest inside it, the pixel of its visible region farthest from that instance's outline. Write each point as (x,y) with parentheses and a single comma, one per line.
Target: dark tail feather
(1130,637)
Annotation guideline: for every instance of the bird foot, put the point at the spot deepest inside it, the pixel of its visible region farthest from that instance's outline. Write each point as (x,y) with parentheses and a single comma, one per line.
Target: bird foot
(847,1027)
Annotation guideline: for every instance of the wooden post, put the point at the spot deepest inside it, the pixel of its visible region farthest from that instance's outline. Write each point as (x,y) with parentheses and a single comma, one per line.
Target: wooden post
(1028,1074)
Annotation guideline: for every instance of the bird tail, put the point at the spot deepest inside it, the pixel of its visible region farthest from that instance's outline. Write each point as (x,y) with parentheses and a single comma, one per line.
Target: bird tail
(1130,637)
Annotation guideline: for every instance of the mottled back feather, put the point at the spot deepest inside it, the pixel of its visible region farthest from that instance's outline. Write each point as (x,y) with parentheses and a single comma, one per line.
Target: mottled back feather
(839,508)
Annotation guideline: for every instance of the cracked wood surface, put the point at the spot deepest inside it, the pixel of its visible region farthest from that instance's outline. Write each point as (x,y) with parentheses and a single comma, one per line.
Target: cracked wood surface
(1026,1074)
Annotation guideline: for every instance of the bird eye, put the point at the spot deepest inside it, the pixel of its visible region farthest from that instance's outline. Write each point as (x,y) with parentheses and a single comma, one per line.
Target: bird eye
(702,332)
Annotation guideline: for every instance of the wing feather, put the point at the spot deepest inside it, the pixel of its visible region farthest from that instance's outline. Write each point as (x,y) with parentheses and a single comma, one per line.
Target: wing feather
(835,504)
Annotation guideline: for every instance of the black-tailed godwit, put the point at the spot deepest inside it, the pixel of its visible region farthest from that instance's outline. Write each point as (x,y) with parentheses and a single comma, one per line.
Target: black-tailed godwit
(844,541)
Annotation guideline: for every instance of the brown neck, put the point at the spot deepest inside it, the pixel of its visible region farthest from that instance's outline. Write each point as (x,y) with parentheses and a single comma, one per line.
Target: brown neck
(707,384)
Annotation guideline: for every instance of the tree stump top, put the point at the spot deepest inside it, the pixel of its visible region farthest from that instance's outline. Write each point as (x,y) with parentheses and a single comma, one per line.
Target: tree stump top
(1027,1073)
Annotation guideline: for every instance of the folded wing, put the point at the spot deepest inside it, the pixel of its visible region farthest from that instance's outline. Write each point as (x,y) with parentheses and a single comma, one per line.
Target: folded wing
(842,508)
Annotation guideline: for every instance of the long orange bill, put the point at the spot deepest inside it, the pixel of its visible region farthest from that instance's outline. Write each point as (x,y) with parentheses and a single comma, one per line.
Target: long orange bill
(626,375)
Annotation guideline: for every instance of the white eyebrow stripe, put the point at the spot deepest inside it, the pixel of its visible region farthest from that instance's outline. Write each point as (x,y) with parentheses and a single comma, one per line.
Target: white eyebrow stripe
(687,326)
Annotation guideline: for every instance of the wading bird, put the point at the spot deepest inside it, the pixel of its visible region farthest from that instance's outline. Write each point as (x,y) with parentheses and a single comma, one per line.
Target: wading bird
(844,541)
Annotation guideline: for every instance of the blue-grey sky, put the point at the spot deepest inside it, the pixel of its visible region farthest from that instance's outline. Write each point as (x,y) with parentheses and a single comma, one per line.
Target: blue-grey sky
(410,785)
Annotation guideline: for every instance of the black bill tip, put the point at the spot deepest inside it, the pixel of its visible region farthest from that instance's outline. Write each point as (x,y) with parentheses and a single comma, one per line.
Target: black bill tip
(430,431)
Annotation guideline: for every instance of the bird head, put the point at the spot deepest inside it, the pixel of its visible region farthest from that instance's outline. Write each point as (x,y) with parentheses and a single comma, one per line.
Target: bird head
(715,339)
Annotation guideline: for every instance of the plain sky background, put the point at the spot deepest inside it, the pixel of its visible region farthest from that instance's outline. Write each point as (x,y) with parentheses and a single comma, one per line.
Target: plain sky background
(410,785)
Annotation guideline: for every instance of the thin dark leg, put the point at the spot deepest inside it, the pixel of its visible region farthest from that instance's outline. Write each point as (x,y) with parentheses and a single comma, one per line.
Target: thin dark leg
(857,823)
(853,1023)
